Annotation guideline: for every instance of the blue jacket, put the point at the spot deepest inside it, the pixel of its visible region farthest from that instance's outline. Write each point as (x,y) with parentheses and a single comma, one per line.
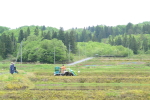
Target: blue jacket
(12,68)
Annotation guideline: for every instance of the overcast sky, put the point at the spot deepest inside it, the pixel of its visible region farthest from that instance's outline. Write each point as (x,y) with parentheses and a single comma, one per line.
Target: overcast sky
(73,13)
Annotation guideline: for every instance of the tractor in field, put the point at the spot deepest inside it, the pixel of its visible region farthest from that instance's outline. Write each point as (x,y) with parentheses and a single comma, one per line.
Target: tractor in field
(66,72)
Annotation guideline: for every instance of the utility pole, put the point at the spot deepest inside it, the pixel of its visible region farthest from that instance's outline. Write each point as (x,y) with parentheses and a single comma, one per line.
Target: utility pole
(85,50)
(79,51)
(21,52)
(142,47)
(128,50)
(148,44)
(69,52)
(54,55)
(84,46)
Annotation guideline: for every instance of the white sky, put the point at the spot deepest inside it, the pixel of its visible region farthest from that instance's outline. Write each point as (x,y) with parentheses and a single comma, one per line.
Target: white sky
(73,13)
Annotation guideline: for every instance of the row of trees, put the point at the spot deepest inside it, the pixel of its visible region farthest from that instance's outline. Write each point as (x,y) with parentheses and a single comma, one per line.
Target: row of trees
(46,51)
(68,38)
(125,35)
(10,42)
(99,32)
(134,42)
(8,45)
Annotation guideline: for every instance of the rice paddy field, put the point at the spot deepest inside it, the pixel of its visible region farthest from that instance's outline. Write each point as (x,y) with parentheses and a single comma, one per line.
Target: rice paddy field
(99,79)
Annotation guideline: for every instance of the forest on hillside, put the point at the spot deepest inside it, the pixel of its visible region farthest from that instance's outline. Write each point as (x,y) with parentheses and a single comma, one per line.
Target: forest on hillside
(49,44)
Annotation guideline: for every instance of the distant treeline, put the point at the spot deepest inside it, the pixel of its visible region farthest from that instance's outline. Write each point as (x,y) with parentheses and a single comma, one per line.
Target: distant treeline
(132,36)
(99,32)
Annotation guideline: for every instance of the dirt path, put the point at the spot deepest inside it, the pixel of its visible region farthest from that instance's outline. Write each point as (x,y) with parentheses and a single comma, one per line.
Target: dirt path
(80,61)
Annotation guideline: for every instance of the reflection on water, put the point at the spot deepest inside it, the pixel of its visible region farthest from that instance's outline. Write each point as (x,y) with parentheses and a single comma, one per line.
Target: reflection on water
(129,63)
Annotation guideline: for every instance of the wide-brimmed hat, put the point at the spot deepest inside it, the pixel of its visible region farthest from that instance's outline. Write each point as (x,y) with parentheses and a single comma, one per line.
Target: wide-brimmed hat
(12,62)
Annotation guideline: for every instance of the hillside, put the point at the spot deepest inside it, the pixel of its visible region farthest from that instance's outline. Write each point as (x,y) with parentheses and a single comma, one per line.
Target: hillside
(40,43)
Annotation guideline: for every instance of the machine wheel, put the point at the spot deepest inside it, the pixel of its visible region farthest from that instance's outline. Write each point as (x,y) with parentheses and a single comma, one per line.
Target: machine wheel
(66,74)
(70,74)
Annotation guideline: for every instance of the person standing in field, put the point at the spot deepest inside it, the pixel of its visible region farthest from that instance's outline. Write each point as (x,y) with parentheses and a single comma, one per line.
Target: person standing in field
(63,69)
(12,68)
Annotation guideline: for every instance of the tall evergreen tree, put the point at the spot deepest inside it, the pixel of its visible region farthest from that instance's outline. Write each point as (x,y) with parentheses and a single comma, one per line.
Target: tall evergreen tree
(61,35)
(105,35)
(72,41)
(137,29)
(124,41)
(97,31)
(148,29)
(3,50)
(47,35)
(92,29)
(83,36)
(54,35)
(8,45)
(21,36)
(133,45)
(28,31)
(89,36)
(67,39)
(36,31)
(25,35)
(77,38)
(145,45)
(13,42)
(118,41)
(43,28)
(129,28)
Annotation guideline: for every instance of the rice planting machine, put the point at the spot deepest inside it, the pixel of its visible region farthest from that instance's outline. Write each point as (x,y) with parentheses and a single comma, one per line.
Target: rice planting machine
(67,72)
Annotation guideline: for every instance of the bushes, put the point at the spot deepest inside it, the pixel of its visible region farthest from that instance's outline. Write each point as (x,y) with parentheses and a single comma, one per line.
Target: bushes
(102,49)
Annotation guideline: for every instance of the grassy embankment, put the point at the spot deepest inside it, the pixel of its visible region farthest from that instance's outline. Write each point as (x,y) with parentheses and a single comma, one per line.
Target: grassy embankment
(99,78)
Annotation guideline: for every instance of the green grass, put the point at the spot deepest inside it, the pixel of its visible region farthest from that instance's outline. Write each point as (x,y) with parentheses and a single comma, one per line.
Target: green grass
(99,78)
